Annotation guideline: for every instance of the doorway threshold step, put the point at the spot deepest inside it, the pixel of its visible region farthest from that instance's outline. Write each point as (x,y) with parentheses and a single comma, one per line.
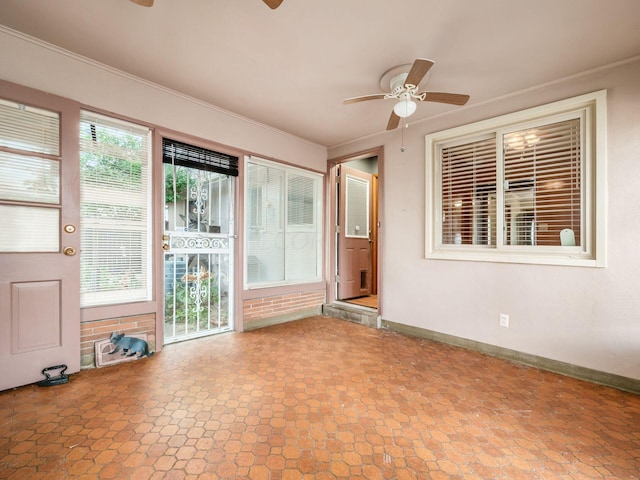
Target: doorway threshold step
(351,313)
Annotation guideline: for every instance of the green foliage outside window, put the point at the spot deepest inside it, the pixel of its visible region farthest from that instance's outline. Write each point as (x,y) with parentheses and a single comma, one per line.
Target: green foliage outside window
(183,305)
(111,156)
(182,181)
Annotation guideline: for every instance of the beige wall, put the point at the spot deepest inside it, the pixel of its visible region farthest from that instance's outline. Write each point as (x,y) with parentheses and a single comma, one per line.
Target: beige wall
(588,317)
(35,64)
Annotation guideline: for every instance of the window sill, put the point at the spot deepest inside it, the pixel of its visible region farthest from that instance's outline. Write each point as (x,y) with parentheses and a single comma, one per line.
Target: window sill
(259,291)
(577,259)
(119,310)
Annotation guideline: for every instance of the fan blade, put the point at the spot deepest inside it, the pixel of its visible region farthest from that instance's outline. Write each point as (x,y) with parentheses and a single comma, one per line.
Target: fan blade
(443,97)
(273,4)
(144,3)
(418,70)
(394,121)
(375,96)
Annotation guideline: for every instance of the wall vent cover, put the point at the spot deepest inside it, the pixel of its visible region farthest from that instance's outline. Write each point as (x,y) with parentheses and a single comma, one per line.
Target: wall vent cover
(103,347)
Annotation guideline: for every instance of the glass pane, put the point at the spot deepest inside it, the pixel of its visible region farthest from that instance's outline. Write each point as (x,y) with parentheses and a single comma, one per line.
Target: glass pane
(29,179)
(357,208)
(197,288)
(303,239)
(265,235)
(198,200)
(302,252)
(300,202)
(30,129)
(115,195)
(29,229)
(284,231)
(542,188)
(468,193)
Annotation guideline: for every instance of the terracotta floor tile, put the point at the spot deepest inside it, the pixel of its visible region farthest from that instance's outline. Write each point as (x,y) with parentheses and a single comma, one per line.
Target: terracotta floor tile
(319,399)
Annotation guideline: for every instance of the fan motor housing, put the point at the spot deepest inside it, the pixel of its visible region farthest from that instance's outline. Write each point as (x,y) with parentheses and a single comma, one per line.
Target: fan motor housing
(395,77)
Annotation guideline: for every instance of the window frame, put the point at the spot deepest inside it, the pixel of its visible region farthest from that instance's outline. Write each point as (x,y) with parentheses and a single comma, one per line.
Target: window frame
(592,108)
(91,299)
(283,227)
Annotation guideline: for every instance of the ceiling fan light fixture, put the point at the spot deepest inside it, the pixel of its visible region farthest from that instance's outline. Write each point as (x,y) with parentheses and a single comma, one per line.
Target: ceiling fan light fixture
(405,108)
(402,84)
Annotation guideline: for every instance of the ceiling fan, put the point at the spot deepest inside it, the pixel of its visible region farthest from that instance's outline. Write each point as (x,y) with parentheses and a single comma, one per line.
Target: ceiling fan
(403,83)
(270,3)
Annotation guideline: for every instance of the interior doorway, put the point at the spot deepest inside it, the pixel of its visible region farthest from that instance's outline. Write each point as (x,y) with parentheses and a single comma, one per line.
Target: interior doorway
(355,187)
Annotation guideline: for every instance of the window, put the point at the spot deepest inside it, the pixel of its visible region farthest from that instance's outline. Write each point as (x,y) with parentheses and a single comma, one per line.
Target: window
(525,188)
(283,212)
(115,203)
(29,178)
(357,207)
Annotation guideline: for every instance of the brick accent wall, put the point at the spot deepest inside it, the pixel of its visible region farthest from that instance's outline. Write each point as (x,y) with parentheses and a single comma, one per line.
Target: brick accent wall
(281,305)
(90,332)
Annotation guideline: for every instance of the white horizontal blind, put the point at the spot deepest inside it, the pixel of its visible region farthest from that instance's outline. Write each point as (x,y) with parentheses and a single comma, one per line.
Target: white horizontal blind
(301,197)
(26,178)
(302,246)
(468,186)
(29,178)
(115,211)
(29,229)
(28,128)
(542,187)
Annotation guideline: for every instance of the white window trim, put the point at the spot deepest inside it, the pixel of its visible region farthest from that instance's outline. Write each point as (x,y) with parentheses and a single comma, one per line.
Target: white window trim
(594,106)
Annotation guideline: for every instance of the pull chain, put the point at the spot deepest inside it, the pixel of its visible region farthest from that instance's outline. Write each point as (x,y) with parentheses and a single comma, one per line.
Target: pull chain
(402,127)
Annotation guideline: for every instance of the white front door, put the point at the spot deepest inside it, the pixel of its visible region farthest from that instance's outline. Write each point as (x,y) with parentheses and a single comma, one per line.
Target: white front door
(39,239)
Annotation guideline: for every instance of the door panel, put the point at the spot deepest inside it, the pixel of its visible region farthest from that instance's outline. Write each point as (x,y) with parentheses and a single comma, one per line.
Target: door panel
(354,237)
(39,268)
(34,327)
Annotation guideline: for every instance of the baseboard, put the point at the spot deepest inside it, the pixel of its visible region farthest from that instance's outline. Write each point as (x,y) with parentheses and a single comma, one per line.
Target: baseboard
(595,376)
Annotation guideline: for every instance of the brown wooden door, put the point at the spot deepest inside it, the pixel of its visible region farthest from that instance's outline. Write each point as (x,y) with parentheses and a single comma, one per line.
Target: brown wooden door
(39,240)
(354,236)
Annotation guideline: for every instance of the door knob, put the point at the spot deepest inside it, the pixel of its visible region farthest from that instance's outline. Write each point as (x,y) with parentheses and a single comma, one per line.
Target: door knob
(165,246)
(69,251)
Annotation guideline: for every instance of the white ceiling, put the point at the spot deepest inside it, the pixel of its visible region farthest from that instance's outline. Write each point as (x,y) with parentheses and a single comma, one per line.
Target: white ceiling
(291,68)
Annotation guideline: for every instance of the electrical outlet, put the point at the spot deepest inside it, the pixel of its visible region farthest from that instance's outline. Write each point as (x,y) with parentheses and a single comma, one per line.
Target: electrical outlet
(504,320)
